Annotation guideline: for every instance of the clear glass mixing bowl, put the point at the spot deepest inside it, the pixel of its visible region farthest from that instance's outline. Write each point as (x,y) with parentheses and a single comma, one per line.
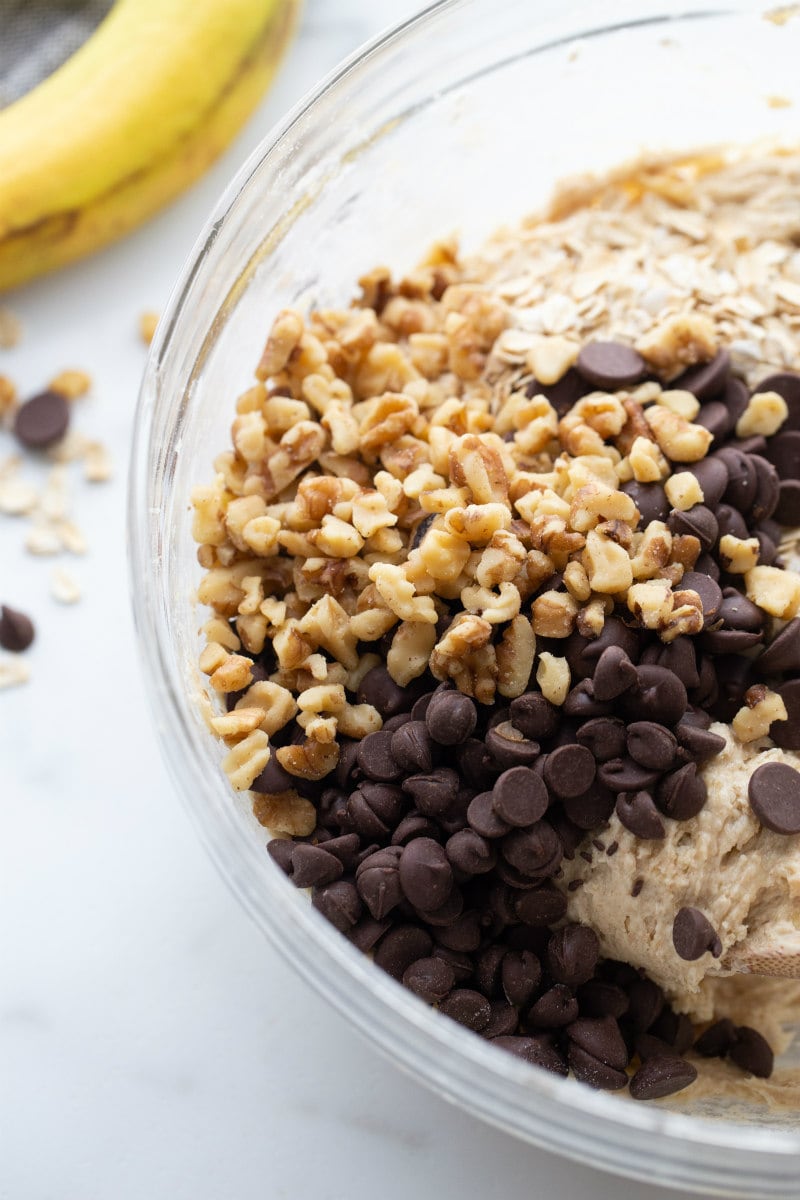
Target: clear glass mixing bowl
(458,121)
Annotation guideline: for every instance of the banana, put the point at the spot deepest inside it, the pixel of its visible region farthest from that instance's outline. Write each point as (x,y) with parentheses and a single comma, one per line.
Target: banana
(132,118)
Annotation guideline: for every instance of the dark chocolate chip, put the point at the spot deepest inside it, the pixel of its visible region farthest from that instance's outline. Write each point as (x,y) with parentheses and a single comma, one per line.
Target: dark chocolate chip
(698,521)
(604,736)
(433,791)
(729,641)
(610,365)
(504,1021)
(413,825)
(16,629)
(677,656)
(451,718)
(534,716)
(508,747)
(380,690)
(600,1037)
(767,491)
(783,451)
(401,947)
(599,998)
(774,794)
(783,653)
(591,808)
(378,881)
(519,797)
(752,1052)
(708,590)
(660,696)
(581,702)
(538,1051)
(714,417)
(314,866)
(699,744)
(626,775)
(520,975)
(582,653)
(650,499)
(682,794)
(572,954)
(706,379)
(645,1004)
(463,935)
(273,779)
(542,906)
(411,747)
(651,745)
(693,935)
(339,903)
(638,813)
(554,1009)
(467,1007)
(375,757)
(712,475)
(470,853)
(717,1040)
(737,612)
(534,852)
(592,1071)
(430,978)
(742,478)
(280,851)
(446,914)
(786,734)
(366,933)
(564,394)
(570,770)
(662,1075)
(42,420)
(614,673)
(426,876)
(483,818)
(374,809)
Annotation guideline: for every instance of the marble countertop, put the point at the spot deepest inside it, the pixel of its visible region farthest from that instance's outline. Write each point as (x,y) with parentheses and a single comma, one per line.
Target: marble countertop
(151,1043)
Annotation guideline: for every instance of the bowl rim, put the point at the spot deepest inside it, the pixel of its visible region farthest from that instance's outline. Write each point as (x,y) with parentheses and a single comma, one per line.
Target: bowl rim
(462,1053)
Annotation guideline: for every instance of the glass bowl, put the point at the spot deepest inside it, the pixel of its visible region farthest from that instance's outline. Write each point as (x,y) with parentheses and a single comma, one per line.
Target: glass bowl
(458,121)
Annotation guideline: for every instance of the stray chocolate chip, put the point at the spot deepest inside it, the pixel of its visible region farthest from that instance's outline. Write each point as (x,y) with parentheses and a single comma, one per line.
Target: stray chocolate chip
(467,1007)
(752,1052)
(519,797)
(16,629)
(788,507)
(426,876)
(614,674)
(610,365)
(411,747)
(380,690)
(554,1009)
(42,420)
(651,745)
(314,866)
(717,1040)
(693,935)
(572,954)
(662,1075)
(781,655)
(340,903)
(536,1050)
(374,756)
(471,853)
(660,696)
(591,1070)
(774,794)
(650,499)
(400,947)
(787,385)
(682,794)
(638,813)
(706,379)
(786,734)
(570,770)
(604,736)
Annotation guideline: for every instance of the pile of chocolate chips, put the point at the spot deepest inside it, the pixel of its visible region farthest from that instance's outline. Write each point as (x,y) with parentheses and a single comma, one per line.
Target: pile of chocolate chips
(440,838)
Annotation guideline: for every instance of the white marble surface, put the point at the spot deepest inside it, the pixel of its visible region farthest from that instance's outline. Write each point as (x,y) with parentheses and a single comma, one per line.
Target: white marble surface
(151,1043)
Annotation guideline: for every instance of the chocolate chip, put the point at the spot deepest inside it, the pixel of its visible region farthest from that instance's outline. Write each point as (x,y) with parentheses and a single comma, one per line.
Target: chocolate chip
(699,744)
(737,612)
(677,656)
(708,590)
(599,998)
(651,745)
(413,825)
(693,935)
(662,1076)
(420,529)
(660,696)
(411,747)
(604,736)
(542,906)
(705,379)
(767,491)
(16,629)
(715,417)
(582,653)
(712,475)
(645,1003)
(581,702)
(483,818)
(783,653)
(374,809)
(42,420)
(788,507)
(378,881)
(345,848)
(470,853)
(572,954)
(508,747)
(570,770)
(786,734)
(534,716)
(591,808)
(451,718)
(467,1007)
(534,852)
(314,866)
(682,794)
(339,903)
(592,1071)
(375,758)
(717,1040)
(433,791)
(463,935)
(564,394)
(752,1053)
(520,975)
(554,1009)
(426,876)
(675,1029)
(280,851)
(638,813)
(614,673)
(430,978)
(787,385)
(535,1050)
(626,775)
(366,933)
(273,779)
(401,947)
(742,478)
(519,797)
(447,914)
(698,521)
(650,499)
(729,641)
(783,451)
(504,1021)
(610,365)
(774,794)
(601,1038)
(380,690)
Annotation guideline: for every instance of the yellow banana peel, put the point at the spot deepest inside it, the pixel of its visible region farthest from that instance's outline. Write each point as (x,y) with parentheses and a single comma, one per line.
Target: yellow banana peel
(132,118)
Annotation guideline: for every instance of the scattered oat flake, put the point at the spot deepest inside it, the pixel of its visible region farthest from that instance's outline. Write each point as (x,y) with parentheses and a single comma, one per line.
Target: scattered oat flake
(17,497)
(43,539)
(778,102)
(97,463)
(71,383)
(71,447)
(10,329)
(13,671)
(72,538)
(779,16)
(63,587)
(147,326)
